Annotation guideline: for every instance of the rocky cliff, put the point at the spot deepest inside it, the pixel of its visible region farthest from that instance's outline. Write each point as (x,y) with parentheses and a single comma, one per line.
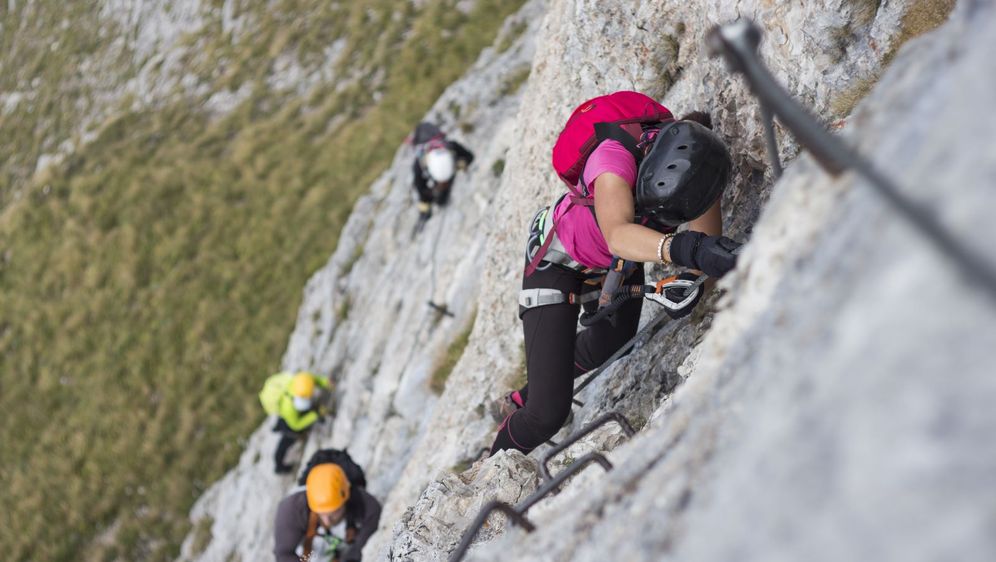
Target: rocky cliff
(831,401)
(365,317)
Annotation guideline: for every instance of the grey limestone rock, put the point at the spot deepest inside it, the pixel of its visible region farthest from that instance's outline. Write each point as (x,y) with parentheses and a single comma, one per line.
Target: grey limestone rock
(434,524)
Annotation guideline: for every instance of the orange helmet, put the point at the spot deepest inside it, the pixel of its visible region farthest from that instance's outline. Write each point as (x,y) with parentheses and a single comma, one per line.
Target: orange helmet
(327,488)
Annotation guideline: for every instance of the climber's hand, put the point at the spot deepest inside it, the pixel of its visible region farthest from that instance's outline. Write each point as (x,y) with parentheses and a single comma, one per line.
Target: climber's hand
(712,255)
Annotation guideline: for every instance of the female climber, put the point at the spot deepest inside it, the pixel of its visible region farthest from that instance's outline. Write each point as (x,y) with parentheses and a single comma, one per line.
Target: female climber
(635,174)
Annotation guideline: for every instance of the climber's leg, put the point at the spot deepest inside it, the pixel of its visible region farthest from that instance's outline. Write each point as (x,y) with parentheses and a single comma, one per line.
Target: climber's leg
(549,337)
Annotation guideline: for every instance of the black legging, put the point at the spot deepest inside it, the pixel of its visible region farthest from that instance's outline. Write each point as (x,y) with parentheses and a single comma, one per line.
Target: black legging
(287,439)
(555,356)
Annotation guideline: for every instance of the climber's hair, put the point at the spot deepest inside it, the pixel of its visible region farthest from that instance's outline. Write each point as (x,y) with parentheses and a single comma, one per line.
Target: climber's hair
(700,117)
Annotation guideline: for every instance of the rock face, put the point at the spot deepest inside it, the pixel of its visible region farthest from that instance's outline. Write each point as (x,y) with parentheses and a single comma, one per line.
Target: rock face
(449,504)
(815,423)
(831,404)
(365,319)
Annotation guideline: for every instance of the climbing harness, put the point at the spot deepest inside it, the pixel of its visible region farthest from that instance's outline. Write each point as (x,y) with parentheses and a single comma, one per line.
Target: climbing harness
(536,297)
(658,293)
(737,43)
(321,543)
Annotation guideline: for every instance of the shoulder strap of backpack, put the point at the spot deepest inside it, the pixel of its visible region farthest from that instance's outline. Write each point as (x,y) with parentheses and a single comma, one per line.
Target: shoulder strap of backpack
(309,535)
(612,131)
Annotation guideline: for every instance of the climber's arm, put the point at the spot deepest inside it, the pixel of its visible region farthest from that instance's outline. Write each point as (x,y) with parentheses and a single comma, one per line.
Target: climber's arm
(615,209)
(295,420)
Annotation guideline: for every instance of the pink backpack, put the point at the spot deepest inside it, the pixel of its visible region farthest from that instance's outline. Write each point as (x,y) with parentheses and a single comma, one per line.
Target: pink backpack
(592,122)
(599,119)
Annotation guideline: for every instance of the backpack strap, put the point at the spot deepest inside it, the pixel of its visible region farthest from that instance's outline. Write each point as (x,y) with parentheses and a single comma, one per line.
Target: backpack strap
(309,535)
(613,131)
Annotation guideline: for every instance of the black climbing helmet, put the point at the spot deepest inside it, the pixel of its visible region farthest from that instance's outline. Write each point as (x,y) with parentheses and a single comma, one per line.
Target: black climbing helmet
(684,173)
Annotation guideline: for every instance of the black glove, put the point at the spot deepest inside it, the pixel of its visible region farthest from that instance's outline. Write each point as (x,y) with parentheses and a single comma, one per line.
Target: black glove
(678,295)
(712,255)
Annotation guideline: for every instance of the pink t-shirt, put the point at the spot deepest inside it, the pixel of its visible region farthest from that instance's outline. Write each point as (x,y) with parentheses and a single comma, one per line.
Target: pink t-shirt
(576,228)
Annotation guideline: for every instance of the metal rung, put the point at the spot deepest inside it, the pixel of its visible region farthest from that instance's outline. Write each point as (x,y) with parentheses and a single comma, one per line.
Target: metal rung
(551,485)
(738,43)
(517,514)
(471,532)
(576,436)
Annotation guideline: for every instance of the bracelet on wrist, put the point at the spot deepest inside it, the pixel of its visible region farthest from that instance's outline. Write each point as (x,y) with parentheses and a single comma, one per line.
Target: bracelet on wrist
(660,247)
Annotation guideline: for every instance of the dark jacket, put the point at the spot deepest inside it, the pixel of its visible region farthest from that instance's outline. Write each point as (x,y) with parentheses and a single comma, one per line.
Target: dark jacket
(424,184)
(291,524)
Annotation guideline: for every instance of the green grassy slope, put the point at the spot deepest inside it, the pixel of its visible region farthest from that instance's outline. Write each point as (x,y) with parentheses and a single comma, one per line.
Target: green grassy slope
(149,283)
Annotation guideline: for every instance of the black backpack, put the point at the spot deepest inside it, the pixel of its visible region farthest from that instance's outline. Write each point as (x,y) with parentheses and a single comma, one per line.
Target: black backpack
(322,456)
(426,132)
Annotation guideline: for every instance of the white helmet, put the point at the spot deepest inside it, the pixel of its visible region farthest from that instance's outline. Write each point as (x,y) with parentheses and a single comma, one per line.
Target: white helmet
(440,163)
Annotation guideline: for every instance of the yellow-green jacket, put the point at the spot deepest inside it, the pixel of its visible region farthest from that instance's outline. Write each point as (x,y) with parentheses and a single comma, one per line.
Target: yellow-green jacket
(295,420)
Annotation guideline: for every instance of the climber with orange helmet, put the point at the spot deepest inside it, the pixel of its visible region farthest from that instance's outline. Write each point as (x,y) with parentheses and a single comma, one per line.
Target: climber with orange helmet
(436,161)
(292,397)
(329,517)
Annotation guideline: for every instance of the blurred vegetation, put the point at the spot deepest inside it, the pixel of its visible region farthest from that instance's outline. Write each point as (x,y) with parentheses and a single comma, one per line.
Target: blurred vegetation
(513,82)
(202,535)
(149,283)
(921,17)
(444,368)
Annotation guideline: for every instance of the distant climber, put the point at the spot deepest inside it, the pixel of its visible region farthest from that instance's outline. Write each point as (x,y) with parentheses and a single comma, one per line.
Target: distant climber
(436,161)
(330,515)
(634,175)
(292,397)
